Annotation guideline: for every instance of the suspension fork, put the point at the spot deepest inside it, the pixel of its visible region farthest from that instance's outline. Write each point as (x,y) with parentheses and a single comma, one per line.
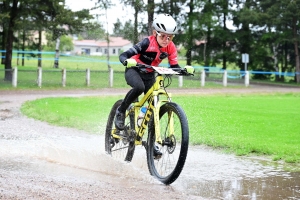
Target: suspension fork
(156,105)
(170,126)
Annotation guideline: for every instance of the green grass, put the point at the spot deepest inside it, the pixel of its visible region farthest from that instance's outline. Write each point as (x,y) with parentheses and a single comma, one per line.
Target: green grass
(243,124)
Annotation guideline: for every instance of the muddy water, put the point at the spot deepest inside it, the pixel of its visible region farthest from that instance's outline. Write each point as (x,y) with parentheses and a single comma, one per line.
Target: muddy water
(208,174)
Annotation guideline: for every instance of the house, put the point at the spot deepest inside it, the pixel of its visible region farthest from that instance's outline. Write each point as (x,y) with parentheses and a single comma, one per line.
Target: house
(95,47)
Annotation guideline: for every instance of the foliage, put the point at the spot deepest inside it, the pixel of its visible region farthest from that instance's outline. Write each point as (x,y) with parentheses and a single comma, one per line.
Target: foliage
(66,43)
(93,31)
(41,15)
(126,31)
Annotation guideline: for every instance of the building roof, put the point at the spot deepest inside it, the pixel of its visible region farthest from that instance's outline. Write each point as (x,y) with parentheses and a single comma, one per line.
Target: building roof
(114,42)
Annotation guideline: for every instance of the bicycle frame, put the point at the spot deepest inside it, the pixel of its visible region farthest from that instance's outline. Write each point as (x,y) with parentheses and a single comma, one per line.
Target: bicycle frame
(154,104)
(164,121)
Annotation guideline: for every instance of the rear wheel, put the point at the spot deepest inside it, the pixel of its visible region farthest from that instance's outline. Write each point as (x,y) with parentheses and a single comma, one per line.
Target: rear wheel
(120,143)
(174,133)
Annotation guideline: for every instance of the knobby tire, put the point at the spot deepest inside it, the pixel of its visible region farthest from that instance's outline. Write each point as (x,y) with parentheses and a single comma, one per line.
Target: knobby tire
(123,147)
(168,167)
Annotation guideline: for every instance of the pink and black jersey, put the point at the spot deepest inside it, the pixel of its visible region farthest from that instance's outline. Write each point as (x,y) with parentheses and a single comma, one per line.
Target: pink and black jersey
(148,52)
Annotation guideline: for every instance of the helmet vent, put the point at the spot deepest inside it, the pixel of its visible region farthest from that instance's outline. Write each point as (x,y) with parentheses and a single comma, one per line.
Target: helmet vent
(163,26)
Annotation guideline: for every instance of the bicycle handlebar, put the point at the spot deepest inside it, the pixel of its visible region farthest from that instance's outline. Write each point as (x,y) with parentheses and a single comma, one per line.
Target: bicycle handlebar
(178,71)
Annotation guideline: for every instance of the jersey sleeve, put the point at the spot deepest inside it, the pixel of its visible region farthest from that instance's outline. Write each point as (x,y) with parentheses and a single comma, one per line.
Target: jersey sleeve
(138,48)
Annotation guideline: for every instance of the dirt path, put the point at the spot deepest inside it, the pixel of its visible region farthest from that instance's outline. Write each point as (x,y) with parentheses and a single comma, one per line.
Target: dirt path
(39,161)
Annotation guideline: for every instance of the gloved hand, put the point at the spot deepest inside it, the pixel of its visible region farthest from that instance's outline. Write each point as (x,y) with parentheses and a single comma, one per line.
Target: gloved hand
(130,62)
(189,69)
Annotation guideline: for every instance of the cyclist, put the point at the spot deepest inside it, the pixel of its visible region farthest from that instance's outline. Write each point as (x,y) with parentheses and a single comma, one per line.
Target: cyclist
(151,51)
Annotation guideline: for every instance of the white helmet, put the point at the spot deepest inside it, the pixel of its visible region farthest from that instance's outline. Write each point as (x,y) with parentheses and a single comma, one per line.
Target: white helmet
(165,23)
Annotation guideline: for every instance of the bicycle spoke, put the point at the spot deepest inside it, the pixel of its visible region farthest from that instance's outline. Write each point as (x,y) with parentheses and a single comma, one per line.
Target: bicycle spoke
(174,134)
(119,144)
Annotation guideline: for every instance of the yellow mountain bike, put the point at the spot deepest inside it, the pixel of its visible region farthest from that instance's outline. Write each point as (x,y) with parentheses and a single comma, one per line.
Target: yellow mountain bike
(165,125)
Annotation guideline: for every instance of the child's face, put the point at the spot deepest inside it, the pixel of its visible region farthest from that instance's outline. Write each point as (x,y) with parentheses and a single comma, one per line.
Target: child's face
(163,39)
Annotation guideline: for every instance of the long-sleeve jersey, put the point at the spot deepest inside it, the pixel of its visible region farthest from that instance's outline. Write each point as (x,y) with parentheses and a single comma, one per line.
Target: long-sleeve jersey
(148,52)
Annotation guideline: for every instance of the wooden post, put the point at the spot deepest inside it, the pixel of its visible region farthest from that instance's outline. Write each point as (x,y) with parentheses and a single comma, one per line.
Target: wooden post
(15,77)
(246,78)
(225,78)
(111,77)
(64,77)
(203,78)
(180,81)
(88,77)
(39,78)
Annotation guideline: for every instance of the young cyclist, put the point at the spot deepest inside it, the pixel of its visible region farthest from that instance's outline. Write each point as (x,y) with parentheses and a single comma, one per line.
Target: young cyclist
(151,51)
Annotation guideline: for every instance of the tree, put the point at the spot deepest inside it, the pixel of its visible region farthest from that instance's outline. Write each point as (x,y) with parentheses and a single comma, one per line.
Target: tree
(64,22)
(245,17)
(150,13)
(66,43)
(4,18)
(93,31)
(284,19)
(138,7)
(43,14)
(118,29)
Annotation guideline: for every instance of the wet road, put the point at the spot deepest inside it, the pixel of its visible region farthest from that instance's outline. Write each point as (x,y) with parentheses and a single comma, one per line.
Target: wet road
(31,147)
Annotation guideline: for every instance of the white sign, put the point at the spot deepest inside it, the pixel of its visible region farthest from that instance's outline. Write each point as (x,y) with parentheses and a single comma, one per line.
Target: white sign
(163,70)
(245,58)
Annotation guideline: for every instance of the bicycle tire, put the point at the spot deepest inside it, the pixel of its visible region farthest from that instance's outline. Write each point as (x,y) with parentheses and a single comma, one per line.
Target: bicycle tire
(174,149)
(122,147)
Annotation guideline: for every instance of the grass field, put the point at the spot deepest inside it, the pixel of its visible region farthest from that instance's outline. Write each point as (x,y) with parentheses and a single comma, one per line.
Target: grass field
(243,124)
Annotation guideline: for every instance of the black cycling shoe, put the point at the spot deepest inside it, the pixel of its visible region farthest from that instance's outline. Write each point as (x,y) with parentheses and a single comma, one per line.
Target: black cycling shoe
(119,120)
(156,152)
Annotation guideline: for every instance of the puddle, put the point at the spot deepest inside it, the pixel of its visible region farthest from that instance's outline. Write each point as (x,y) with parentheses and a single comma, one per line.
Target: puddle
(207,174)
(219,176)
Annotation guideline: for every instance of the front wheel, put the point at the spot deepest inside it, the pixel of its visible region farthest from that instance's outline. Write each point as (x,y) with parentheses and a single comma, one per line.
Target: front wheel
(174,132)
(120,143)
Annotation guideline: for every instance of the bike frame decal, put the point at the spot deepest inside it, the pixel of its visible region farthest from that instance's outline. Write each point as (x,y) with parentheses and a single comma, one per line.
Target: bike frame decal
(146,119)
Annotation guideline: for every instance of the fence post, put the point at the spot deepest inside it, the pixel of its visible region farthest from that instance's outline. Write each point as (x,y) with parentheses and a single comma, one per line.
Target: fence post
(15,77)
(111,77)
(203,78)
(246,78)
(64,77)
(39,78)
(88,77)
(180,81)
(225,78)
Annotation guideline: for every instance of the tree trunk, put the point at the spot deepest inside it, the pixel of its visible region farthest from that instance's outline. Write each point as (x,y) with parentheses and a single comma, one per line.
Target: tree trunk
(23,47)
(190,33)
(56,61)
(9,41)
(3,44)
(150,11)
(224,43)
(40,49)
(108,43)
(135,31)
(297,75)
(275,66)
